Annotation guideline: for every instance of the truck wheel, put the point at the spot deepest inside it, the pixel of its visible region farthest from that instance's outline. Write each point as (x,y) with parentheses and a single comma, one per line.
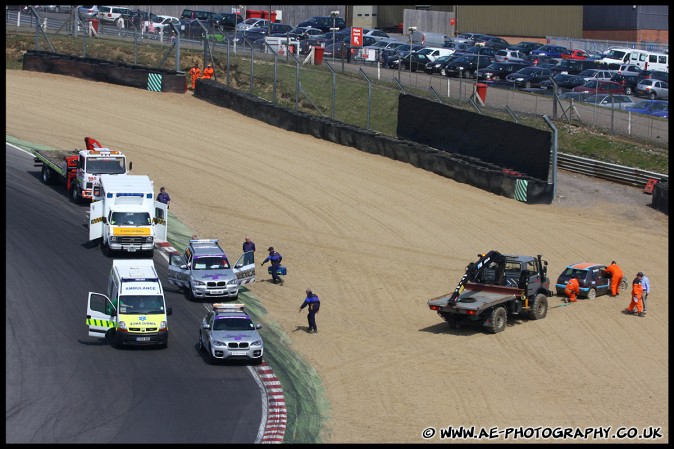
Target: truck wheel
(106,249)
(74,194)
(165,344)
(499,319)
(46,175)
(117,341)
(592,293)
(540,307)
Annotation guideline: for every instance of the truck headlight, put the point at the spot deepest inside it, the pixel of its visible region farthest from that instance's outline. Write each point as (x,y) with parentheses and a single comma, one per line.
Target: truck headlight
(195,282)
(113,238)
(121,325)
(162,325)
(149,239)
(256,343)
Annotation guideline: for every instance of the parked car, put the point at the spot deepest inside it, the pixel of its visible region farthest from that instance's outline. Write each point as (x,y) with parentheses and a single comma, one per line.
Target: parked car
(652,88)
(434,52)
(564,82)
(596,74)
(573,66)
(87,12)
(629,82)
(576,54)
(493,42)
(611,101)
(466,65)
(456,47)
(574,96)
(525,47)
(657,108)
(497,71)
(416,60)
(111,14)
(401,52)
(435,66)
(468,37)
(376,34)
(229,20)
(251,23)
(600,87)
(541,59)
(529,77)
(655,74)
(591,277)
(629,69)
(162,23)
(57,8)
(509,56)
(324,23)
(482,51)
(551,51)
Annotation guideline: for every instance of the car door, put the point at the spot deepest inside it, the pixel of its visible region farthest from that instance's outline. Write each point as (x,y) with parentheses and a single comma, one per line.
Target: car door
(178,271)
(244,268)
(160,221)
(100,314)
(600,280)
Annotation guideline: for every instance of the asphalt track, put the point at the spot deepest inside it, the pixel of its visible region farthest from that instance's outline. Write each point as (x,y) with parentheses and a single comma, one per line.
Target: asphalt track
(63,386)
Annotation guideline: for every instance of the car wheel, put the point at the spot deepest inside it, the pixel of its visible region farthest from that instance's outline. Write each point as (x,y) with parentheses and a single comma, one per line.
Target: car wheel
(527,84)
(201,343)
(466,74)
(623,284)
(211,358)
(499,318)
(628,90)
(592,293)
(651,95)
(540,307)
(257,361)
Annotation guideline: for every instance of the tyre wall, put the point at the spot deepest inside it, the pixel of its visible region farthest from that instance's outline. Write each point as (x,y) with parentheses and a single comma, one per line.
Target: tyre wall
(506,144)
(460,167)
(95,69)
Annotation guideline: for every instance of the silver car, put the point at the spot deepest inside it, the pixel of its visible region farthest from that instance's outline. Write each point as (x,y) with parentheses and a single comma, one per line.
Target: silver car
(87,12)
(653,89)
(228,333)
(611,101)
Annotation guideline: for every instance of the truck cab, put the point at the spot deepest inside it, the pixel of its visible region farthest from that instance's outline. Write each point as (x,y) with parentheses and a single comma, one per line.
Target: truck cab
(91,164)
(205,271)
(134,311)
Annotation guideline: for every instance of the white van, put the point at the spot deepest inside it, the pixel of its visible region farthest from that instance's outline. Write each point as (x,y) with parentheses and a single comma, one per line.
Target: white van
(616,57)
(650,60)
(434,53)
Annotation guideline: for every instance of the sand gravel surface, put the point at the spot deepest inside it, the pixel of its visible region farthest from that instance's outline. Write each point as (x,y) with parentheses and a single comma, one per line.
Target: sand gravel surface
(375,239)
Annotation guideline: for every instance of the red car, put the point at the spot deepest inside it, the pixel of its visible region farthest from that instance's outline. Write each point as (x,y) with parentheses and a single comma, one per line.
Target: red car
(600,87)
(577,54)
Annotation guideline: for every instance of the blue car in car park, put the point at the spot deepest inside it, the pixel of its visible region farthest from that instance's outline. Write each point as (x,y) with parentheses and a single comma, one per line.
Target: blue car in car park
(657,108)
(551,51)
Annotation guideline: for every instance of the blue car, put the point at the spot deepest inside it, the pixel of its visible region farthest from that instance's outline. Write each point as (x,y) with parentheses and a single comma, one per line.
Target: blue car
(591,278)
(551,51)
(657,108)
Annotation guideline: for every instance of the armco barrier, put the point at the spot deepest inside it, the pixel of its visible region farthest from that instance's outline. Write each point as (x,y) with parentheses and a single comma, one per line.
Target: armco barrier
(95,69)
(462,168)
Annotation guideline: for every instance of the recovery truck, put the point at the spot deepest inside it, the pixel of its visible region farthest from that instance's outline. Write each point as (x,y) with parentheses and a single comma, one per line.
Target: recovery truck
(495,287)
(80,170)
(127,218)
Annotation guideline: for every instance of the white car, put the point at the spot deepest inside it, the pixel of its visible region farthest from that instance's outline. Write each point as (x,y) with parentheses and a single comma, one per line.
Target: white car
(228,333)
(161,23)
(111,14)
(596,74)
(611,101)
(376,34)
(629,70)
(251,23)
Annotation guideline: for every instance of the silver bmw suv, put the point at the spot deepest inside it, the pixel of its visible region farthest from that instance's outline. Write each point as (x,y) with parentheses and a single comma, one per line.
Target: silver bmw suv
(228,333)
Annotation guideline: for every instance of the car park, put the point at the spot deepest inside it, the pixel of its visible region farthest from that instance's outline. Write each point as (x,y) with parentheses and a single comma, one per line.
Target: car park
(592,279)
(551,51)
(614,101)
(57,8)
(497,71)
(87,12)
(228,333)
(509,56)
(434,52)
(324,23)
(596,74)
(600,87)
(655,74)
(492,42)
(652,88)
(564,82)
(528,77)
(472,37)
(482,51)
(376,34)
(229,20)
(111,14)
(657,108)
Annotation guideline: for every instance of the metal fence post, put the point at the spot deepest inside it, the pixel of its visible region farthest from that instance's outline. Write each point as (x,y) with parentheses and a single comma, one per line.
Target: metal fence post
(369,96)
(252,65)
(334,87)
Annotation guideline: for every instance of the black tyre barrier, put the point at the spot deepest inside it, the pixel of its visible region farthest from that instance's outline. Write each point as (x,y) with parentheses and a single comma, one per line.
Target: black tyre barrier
(102,70)
(661,197)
